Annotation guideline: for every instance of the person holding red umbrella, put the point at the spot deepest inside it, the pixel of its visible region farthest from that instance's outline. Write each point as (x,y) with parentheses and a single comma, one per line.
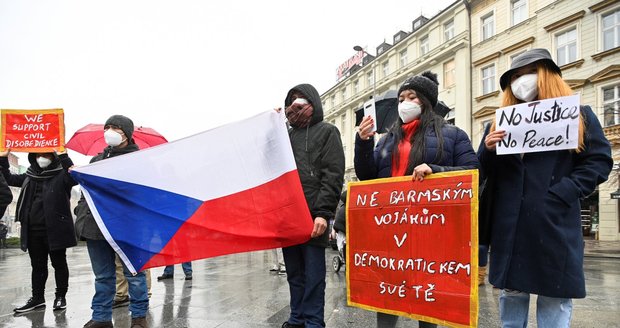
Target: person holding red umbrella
(118,131)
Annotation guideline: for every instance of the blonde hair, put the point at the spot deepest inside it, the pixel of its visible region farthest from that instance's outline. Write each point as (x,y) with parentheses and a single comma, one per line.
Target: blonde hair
(550,85)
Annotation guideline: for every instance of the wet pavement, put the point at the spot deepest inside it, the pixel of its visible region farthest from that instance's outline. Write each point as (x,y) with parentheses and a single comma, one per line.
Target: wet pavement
(239,291)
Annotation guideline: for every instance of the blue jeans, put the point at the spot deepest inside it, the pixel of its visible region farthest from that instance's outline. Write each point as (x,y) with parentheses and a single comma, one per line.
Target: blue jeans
(102,258)
(550,311)
(305,272)
(187,268)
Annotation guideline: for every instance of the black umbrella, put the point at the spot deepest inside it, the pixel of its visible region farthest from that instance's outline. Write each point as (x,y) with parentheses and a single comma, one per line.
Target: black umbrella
(386,108)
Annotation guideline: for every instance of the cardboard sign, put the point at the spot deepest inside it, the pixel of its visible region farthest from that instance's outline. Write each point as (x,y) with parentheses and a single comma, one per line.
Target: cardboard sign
(33,130)
(412,247)
(543,125)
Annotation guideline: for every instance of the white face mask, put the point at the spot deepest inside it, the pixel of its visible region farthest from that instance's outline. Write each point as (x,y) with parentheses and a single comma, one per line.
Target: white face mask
(112,138)
(525,87)
(43,162)
(409,111)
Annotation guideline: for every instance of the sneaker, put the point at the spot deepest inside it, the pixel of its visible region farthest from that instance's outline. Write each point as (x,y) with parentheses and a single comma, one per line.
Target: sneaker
(30,305)
(282,270)
(98,324)
(139,322)
(288,325)
(60,303)
(120,302)
(164,276)
(188,276)
(274,268)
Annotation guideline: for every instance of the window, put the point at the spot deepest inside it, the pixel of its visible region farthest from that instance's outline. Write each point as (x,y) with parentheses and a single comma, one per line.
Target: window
(333,100)
(386,68)
(424,45)
(448,73)
(611,105)
(416,25)
(370,78)
(519,11)
(566,46)
(343,123)
(611,30)
(380,50)
(488,79)
(396,38)
(448,30)
(356,86)
(403,58)
(344,94)
(488,26)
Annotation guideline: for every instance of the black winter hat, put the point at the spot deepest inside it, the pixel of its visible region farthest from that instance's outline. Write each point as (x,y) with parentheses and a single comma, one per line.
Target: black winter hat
(526,58)
(425,83)
(124,122)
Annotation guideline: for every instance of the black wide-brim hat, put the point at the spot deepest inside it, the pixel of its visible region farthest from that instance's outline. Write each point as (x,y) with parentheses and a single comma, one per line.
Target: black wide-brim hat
(526,58)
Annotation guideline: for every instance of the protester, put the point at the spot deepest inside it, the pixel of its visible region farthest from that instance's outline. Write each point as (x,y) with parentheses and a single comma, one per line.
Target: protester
(420,143)
(169,271)
(320,163)
(340,223)
(537,243)
(118,135)
(277,261)
(121,298)
(44,211)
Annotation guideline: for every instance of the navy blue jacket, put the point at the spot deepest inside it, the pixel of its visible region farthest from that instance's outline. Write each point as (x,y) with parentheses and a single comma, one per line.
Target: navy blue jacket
(458,154)
(536,240)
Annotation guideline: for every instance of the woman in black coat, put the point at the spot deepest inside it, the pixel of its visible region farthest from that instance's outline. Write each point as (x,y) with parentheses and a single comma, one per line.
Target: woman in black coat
(420,143)
(536,240)
(43,209)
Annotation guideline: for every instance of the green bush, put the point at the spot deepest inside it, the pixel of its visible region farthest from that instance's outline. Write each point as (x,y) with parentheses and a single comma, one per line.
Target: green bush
(12,242)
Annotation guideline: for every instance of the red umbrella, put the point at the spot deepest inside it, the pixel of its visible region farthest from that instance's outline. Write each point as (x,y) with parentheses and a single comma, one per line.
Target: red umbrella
(89,139)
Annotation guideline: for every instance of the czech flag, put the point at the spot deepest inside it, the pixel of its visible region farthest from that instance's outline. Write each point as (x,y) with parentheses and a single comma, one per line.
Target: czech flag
(228,190)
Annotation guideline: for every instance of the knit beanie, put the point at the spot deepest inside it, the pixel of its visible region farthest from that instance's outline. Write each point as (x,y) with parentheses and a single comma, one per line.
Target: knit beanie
(124,122)
(425,83)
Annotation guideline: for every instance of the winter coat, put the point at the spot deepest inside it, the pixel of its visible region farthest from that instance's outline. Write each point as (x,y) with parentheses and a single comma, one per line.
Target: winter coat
(85,226)
(536,241)
(458,154)
(320,161)
(56,189)
(6,196)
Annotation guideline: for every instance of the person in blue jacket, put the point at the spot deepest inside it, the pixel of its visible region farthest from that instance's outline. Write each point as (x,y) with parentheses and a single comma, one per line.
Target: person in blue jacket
(536,238)
(420,143)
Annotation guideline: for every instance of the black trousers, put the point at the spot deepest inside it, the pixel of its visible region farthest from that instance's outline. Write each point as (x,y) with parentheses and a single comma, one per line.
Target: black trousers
(38,249)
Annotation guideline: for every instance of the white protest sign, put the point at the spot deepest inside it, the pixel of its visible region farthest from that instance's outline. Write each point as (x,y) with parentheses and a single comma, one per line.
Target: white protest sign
(543,125)
(369,109)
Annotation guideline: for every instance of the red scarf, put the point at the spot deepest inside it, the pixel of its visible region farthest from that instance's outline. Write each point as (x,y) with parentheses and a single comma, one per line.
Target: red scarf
(399,165)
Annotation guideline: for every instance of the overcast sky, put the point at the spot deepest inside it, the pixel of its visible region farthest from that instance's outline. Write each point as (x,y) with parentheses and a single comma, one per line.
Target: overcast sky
(182,67)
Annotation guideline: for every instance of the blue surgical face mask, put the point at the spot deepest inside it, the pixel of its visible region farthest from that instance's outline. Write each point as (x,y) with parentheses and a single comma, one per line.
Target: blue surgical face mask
(409,111)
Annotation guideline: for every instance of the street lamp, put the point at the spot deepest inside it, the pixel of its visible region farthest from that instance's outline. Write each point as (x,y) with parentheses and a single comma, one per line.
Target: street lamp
(374,76)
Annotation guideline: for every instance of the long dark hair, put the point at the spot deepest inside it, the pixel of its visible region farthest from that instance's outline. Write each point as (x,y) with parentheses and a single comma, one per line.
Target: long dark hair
(428,119)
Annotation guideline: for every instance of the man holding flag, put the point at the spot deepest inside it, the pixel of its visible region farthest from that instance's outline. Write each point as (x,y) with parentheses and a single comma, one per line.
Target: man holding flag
(118,132)
(320,162)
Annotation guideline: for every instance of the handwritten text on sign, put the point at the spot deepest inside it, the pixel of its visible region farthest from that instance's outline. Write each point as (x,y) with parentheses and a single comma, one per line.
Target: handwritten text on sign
(33,130)
(412,245)
(543,125)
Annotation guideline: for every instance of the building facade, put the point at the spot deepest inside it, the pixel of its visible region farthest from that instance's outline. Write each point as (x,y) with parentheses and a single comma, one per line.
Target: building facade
(439,44)
(584,40)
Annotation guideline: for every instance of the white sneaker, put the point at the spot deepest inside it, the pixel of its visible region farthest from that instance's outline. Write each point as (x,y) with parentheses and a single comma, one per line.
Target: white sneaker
(282,270)
(274,268)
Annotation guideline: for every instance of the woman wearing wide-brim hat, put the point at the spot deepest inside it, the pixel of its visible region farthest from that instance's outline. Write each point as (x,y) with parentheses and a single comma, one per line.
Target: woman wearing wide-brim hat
(536,239)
